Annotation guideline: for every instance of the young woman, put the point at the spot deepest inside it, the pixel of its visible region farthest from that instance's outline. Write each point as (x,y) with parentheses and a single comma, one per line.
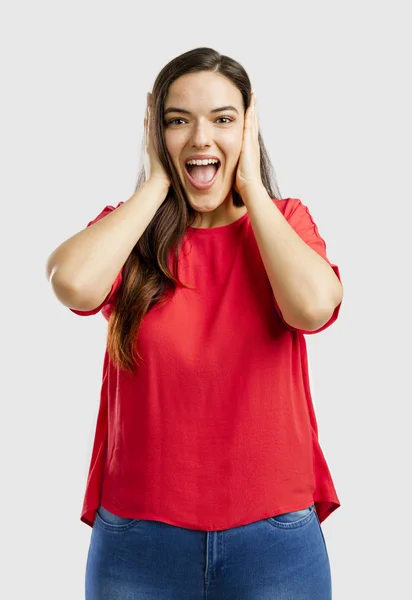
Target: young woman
(206,477)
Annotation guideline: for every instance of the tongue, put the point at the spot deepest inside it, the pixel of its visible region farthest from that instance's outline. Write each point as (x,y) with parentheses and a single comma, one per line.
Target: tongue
(204,173)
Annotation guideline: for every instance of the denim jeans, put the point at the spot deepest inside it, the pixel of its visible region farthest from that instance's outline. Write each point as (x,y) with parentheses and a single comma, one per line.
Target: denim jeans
(279,558)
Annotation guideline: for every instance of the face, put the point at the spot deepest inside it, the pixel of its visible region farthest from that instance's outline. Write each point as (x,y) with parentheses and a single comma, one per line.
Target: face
(199,128)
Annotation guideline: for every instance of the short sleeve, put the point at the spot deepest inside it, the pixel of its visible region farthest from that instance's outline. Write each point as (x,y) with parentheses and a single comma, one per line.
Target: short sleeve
(299,217)
(111,297)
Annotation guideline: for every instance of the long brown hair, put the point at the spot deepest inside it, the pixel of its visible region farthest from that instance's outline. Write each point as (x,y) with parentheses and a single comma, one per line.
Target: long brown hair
(147,279)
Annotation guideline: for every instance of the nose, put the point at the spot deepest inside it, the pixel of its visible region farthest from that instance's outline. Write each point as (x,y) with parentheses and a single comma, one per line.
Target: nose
(200,135)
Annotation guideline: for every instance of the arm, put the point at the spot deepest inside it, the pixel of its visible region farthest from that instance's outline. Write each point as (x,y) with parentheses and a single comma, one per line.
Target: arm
(83,268)
(304,284)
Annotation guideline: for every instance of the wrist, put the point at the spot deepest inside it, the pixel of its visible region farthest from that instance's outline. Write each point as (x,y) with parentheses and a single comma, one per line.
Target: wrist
(252,190)
(158,184)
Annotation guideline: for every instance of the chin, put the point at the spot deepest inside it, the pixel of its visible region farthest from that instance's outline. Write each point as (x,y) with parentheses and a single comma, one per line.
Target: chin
(208,202)
(203,205)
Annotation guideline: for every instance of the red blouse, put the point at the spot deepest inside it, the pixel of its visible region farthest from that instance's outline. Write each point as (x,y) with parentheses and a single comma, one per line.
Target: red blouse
(216,429)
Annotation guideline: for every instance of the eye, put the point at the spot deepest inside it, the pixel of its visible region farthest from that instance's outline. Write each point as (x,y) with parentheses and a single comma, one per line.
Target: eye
(174,121)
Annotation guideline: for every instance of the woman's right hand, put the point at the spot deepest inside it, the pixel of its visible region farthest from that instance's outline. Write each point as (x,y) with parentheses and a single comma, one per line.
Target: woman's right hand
(152,165)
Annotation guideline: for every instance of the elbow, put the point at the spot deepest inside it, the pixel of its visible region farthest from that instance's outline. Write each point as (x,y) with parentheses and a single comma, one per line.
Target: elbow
(71,297)
(51,267)
(315,319)
(308,320)
(315,323)
(66,293)
(319,319)
(300,320)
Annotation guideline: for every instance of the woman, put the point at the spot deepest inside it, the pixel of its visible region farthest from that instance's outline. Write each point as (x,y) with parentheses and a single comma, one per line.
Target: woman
(206,475)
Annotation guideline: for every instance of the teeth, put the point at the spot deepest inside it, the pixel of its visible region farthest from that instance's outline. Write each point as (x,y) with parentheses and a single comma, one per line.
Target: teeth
(205,161)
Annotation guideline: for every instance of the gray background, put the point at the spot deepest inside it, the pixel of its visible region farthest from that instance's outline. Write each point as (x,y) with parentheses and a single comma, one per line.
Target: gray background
(333,98)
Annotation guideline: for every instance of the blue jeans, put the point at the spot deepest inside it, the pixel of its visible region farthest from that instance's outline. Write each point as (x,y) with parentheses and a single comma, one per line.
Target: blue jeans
(279,558)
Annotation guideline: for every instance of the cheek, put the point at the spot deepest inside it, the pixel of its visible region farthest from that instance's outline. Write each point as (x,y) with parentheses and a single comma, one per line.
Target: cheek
(239,140)
(233,154)
(170,144)
(233,146)
(174,150)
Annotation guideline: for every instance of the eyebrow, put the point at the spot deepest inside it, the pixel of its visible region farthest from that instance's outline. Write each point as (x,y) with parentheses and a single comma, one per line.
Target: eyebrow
(186,112)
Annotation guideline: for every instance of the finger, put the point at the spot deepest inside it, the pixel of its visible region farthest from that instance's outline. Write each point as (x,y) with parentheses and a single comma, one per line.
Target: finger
(249,116)
(253,101)
(255,116)
(147,126)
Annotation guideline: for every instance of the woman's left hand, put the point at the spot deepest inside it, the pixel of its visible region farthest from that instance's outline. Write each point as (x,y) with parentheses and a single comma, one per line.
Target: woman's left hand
(248,169)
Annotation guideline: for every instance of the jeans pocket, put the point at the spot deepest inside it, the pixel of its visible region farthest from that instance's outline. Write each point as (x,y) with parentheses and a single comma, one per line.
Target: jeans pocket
(292,519)
(111,521)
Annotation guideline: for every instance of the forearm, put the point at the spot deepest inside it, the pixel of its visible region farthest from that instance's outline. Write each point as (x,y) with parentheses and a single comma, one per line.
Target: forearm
(89,261)
(304,284)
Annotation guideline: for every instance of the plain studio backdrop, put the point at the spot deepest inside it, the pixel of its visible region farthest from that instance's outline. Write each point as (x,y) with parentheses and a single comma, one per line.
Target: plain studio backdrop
(334,104)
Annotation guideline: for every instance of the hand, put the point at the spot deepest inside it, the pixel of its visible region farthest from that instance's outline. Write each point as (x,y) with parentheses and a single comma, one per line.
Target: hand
(152,165)
(248,169)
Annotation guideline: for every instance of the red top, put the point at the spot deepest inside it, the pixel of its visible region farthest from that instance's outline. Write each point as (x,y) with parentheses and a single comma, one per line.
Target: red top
(217,428)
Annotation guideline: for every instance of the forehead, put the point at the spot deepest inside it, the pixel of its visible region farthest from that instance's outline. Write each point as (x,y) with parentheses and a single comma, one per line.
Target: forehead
(204,91)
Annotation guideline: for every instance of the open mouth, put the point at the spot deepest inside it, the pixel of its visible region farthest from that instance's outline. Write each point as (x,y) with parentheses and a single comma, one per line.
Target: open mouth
(202,177)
